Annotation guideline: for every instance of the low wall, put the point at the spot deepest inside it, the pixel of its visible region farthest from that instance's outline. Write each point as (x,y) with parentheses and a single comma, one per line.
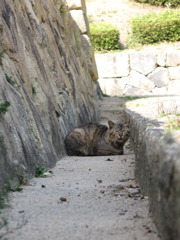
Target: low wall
(157,165)
(147,72)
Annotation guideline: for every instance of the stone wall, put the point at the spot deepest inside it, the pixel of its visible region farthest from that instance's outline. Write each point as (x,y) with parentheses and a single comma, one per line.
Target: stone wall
(146,72)
(78,13)
(157,166)
(48,75)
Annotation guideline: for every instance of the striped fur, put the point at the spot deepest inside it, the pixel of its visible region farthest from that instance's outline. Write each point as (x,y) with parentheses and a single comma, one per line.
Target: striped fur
(97,140)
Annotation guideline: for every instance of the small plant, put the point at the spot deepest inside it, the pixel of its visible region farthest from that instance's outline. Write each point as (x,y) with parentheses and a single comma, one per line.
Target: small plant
(154,28)
(40,171)
(104,36)
(33,89)
(13,187)
(113,11)
(4,107)
(3,199)
(63,9)
(170,3)
(130,98)
(173,125)
(106,95)
(9,79)
(23,180)
(4,222)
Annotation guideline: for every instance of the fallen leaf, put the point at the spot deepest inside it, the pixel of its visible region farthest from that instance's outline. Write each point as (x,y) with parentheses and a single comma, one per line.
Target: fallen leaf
(63,199)
(109,160)
(99,180)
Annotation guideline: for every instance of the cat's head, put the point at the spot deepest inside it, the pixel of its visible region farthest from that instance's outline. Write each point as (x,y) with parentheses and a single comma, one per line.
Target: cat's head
(118,132)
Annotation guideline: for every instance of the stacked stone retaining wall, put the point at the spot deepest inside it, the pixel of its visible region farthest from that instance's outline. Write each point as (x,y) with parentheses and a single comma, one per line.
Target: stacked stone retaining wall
(48,75)
(146,72)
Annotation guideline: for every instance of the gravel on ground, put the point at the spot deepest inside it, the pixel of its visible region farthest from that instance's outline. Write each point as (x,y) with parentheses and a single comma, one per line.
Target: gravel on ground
(86,198)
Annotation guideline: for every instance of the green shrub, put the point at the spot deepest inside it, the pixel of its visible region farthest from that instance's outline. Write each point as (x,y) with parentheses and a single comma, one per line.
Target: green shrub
(154,28)
(104,36)
(4,107)
(170,3)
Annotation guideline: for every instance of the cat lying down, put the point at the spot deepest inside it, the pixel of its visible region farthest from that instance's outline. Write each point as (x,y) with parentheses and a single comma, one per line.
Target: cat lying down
(97,140)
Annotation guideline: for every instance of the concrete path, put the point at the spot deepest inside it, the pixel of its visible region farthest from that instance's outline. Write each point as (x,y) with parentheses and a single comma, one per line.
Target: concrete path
(86,198)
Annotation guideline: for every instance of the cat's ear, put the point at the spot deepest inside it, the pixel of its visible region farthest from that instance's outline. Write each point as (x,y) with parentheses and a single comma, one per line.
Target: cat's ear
(110,123)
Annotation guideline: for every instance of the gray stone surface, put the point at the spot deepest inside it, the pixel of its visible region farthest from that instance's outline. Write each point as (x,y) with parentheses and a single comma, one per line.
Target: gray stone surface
(139,72)
(138,80)
(160,91)
(80,18)
(174,87)
(161,59)
(134,91)
(173,58)
(74,4)
(45,75)
(143,62)
(113,86)
(174,73)
(88,50)
(105,65)
(112,65)
(157,160)
(122,66)
(159,77)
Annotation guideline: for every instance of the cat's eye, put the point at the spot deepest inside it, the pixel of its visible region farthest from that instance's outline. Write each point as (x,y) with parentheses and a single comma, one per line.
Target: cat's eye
(116,132)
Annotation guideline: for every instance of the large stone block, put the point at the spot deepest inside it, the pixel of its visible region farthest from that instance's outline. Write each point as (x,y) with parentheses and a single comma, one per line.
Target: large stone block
(173,58)
(174,87)
(159,91)
(138,80)
(76,5)
(174,73)
(161,59)
(81,20)
(112,86)
(112,64)
(88,50)
(143,62)
(122,65)
(159,77)
(134,91)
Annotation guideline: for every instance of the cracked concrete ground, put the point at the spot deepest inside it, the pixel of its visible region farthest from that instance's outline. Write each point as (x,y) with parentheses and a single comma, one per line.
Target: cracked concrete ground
(86,198)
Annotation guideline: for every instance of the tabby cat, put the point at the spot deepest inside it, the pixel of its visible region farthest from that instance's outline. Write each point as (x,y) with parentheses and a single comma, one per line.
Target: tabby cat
(97,140)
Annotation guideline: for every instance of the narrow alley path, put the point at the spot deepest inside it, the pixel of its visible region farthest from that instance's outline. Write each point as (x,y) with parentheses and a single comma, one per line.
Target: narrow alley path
(86,198)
